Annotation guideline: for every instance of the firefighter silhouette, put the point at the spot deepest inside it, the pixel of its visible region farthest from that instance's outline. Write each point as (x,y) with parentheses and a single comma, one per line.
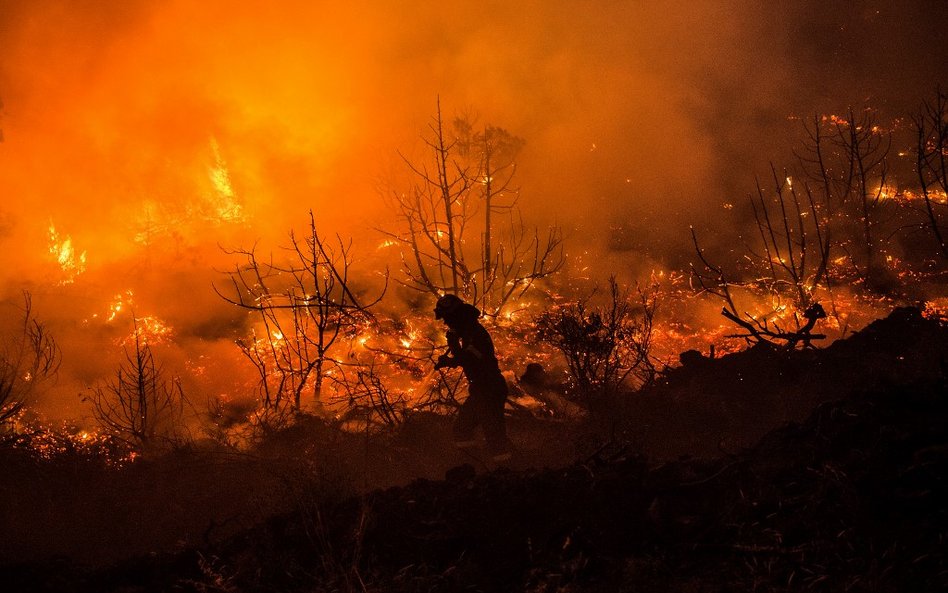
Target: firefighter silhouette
(471,348)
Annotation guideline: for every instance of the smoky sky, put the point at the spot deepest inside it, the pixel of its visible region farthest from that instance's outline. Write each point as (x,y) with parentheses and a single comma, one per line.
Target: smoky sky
(628,108)
(120,118)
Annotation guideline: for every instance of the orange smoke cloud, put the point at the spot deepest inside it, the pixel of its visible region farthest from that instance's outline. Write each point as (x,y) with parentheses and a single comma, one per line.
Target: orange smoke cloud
(150,133)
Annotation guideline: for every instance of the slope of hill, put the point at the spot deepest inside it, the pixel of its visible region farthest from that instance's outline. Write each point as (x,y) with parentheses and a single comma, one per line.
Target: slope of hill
(854,496)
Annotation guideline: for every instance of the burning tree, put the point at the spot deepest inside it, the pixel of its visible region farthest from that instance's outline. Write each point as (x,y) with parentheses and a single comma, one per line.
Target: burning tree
(141,406)
(604,346)
(466,191)
(28,356)
(304,307)
(931,153)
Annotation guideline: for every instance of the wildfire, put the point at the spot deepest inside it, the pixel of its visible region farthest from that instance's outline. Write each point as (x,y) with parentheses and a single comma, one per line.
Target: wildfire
(229,208)
(148,329)
(50,442)
(120,302)
(151,330)
(936,309)
(70,261)
(835,119)
(938,197)
(888,192)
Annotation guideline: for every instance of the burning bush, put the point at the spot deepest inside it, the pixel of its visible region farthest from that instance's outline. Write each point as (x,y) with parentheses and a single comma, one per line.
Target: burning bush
(606,347)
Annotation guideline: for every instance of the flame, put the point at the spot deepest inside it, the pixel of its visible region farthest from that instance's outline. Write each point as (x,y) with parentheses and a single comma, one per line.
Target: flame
(119,303)
(887,192)
(70,261)
(152,330)
(936,196)
(229,208)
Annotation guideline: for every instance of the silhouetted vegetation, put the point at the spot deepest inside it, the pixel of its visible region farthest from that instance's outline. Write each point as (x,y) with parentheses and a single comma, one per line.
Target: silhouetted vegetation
(931,163)
(849,494)
(606,346)
(29,357)
(461,229)
(306,308)
(142,406)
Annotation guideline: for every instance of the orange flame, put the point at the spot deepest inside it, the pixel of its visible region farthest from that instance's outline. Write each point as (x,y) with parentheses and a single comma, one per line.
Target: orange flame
(70,261)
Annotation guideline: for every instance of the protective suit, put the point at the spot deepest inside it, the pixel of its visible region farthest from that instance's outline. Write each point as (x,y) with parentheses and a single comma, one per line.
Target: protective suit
(471,348)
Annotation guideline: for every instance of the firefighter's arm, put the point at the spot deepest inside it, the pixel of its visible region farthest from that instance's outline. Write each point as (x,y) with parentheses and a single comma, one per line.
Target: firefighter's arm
(468,355)
(446,361)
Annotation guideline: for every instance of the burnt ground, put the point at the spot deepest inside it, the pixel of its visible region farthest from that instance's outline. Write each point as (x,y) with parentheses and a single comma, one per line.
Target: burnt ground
(821,470)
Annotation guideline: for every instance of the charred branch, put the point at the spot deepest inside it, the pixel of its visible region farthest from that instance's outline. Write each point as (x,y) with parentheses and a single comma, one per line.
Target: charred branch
(304,308)
(29,356)
(140,406)
(931,163)
(462,232)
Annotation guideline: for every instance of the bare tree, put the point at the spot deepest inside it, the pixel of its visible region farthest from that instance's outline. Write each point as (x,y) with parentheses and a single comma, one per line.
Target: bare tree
(847,159)
(802,226)
(28,356)
(787,266)
(141,406)
(604,346)
(931,154)
(462,232)
(305,308)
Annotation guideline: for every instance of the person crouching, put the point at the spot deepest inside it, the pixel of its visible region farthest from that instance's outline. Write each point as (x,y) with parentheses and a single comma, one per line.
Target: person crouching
(471,348)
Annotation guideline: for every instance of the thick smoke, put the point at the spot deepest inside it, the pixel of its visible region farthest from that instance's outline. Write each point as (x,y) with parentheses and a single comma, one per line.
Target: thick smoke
(152,133)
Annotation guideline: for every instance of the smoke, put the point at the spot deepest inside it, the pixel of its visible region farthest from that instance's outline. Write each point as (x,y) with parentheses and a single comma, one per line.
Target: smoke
(151,133)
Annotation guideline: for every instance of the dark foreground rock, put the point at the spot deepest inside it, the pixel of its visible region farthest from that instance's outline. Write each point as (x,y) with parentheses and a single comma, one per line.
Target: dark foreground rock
(712,406)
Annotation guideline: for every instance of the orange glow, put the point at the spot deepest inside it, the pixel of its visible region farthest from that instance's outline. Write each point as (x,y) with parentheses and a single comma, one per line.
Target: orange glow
(149,330)
(71,262)
(119,303)
(144,141)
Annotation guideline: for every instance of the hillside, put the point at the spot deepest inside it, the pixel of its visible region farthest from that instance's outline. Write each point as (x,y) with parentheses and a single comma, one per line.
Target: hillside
(850,497)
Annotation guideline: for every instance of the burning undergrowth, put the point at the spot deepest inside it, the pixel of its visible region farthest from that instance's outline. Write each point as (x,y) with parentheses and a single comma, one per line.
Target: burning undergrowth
(321,323)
